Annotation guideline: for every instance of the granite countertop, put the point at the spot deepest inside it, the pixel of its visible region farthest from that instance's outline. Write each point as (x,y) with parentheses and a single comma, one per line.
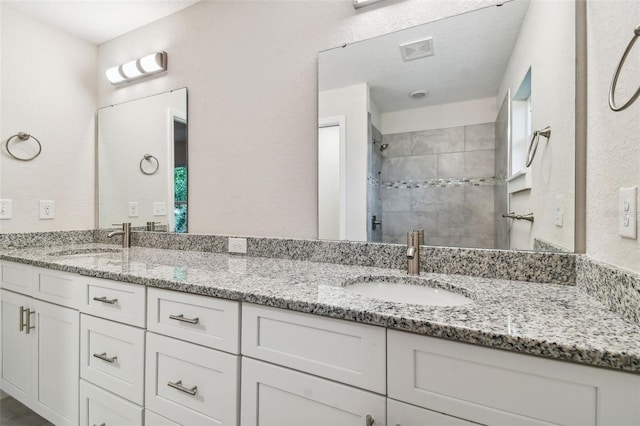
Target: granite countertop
(550,320)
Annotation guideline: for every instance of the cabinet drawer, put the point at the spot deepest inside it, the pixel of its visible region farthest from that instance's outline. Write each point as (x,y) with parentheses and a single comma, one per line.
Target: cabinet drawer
(486,385)
(198,319)
(112,356)
(277,396)
(116,301)
(153,419)
(344,351)
(17,277)
(190,384)
(401,414)
(99,407)
(62,288)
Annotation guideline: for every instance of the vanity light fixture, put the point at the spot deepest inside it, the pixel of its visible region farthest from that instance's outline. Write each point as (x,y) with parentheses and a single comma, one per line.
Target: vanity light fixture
(133,70)
(357,4)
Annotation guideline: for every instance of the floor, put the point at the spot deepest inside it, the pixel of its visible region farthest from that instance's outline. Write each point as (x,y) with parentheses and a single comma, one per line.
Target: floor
(13,413)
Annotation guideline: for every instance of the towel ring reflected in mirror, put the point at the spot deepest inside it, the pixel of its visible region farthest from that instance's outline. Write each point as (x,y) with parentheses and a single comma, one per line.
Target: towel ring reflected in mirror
(533,144)
(22,136)
(614,82)
(151,159)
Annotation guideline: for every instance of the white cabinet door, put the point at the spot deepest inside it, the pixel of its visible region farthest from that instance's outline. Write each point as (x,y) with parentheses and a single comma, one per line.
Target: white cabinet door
(16,347)
(99,407)
(277,396)
(55,352)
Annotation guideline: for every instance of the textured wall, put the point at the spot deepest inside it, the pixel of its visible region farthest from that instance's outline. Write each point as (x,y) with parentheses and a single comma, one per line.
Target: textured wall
(251,71)
(613,139)
(48,89)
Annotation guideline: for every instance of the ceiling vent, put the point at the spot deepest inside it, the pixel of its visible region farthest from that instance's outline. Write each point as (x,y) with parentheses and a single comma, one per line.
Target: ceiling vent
(417,49)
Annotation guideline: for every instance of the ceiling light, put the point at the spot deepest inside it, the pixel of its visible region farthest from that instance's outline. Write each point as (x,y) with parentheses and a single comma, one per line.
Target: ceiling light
(417,49)
(418,94)
(357,4)
(143,67)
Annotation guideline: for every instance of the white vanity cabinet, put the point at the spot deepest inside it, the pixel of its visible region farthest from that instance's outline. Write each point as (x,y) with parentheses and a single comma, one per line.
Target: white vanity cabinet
(192,359)
(496,387)
(309,350)
(112,352)
(40,342)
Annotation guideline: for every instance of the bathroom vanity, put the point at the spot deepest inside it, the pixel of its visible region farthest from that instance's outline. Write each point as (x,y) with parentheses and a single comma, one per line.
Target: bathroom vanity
(165,337)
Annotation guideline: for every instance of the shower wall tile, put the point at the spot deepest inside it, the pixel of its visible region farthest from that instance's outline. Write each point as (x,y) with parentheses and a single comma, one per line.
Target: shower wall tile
(410,168)
(479,163)
(399,145)
(479,137)
(396,199)
(434,199)
(437,141)
(451,165)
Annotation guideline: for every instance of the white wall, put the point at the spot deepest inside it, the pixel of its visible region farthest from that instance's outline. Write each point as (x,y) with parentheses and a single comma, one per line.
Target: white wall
(251,71)
(48,89)
(613,138)
(455,114)
(547,44)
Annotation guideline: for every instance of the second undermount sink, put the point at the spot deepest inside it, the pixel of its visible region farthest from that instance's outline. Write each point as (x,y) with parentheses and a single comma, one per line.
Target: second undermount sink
(415,290)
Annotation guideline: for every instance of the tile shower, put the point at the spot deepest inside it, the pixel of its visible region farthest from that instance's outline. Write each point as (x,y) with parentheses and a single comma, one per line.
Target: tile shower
(442,181)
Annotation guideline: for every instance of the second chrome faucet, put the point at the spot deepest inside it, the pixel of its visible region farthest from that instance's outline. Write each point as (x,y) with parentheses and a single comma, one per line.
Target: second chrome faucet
(125,232)
(413,252)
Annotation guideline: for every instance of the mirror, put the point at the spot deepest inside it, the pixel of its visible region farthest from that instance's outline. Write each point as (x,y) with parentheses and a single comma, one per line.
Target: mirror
(142,163)
(429,128)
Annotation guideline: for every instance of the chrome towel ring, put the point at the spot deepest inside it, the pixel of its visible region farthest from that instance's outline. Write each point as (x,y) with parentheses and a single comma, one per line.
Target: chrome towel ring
(533,144)
(22,136)
(614,82)
(150,158)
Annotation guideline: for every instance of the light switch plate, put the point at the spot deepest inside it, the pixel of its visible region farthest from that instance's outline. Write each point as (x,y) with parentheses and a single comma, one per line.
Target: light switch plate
(47,209)
(6,209)
(628,212)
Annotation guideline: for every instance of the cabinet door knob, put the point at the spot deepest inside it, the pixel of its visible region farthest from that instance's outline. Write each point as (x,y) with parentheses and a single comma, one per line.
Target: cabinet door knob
(178,385)
(103,299)
(183,319)
(103,356)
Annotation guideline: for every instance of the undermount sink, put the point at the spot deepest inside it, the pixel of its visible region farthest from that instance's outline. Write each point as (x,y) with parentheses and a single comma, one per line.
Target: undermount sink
(85,251)
(415,290)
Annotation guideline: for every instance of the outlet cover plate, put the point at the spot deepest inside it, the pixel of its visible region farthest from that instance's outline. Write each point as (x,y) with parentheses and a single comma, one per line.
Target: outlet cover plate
(159,208)
(628,212)
(238,245)
(133,209)
(47,209)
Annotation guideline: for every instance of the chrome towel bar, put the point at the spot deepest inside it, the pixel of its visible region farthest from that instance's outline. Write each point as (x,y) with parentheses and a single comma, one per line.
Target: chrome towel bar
(22,136)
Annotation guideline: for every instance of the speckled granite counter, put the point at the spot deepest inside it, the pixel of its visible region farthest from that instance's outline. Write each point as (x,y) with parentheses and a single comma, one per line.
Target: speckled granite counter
(555,321)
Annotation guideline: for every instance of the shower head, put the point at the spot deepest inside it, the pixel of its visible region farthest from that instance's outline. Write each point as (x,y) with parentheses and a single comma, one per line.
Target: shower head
(383,146)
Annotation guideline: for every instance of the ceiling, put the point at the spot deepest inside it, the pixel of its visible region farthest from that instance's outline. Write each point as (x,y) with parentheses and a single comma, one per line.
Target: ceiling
(471,53)
(98,21)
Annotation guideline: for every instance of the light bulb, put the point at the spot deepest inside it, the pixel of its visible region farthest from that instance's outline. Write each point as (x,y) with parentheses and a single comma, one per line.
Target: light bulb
(114,76)
(130,69)
(152,63)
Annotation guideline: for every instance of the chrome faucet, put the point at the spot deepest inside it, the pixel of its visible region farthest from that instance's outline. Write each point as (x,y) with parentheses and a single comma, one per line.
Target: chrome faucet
(126,234)
(413,253)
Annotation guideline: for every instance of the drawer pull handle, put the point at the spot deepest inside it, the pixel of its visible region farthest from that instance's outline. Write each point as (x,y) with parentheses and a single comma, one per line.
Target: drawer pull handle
(103,356)
(183,319)
(105,300)
(22,311)
(178,385)
(101,424)
(369,420)
(28,325)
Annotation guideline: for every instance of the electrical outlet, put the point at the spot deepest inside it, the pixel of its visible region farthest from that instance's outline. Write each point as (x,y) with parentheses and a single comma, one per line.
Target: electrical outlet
(558,210)
(159,208)
(628,212)
(47,209)
(133,209)
(6,209)
(238,245)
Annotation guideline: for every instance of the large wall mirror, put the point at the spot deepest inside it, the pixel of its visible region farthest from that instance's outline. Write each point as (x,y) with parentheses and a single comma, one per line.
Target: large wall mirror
(142,163)
(429,128)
